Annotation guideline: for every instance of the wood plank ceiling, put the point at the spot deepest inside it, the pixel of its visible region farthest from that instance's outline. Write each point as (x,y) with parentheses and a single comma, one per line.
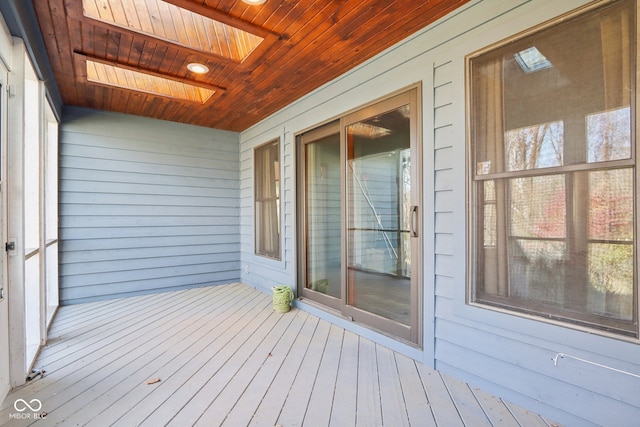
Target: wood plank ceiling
(131,56)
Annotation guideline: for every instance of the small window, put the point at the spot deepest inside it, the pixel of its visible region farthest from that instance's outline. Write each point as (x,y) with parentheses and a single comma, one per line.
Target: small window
(553,176)
(267,199)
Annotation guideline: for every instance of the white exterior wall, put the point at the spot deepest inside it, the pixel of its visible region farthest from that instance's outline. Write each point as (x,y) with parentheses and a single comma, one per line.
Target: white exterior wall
(506,354)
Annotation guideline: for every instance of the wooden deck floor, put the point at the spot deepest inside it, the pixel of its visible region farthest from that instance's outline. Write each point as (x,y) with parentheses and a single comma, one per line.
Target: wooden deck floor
(223,357)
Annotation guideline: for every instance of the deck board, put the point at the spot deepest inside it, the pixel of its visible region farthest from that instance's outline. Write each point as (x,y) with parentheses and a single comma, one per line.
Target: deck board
(179,349)
(311,396)
(255,373)
(80,367)
(268,408)
(343,410)
(146,350)
(466,403)
(394,410)
(444,410)
(495,409)
(225,358)
(368,395)
(415,397)
(187,382)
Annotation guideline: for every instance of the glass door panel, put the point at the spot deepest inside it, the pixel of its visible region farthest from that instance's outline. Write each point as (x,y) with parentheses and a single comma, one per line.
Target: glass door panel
(378,215)
(322,177)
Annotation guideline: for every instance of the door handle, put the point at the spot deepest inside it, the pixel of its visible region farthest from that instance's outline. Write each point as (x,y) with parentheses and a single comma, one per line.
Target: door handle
(10,246)
(413,221)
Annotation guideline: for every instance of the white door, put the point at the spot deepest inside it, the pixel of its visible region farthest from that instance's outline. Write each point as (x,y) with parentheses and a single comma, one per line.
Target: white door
(4,311)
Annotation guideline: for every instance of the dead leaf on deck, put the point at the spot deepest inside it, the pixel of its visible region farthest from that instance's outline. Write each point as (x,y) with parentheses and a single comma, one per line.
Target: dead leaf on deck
(152,381)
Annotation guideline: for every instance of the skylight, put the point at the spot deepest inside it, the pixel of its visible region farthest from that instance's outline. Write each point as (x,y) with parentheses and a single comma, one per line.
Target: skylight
(112,75)
(531,60)
(163,20)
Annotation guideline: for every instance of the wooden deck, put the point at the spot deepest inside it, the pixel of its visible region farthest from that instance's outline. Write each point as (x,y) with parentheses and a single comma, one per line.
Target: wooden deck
(223,357)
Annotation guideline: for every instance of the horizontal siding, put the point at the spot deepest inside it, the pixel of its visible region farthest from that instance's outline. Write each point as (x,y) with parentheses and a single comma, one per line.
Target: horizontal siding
(611,385)
(141,213)
(569,385)
(444,160)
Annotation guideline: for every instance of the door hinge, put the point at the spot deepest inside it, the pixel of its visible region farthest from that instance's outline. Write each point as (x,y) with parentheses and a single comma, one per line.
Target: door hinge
(11,89)
(10,246)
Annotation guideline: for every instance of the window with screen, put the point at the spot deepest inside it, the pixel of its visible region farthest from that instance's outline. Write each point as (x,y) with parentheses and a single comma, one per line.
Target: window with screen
(267,199)
(553,178)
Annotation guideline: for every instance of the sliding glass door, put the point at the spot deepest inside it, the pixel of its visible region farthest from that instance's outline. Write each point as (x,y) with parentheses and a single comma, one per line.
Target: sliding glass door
(322,196)
(359,193)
